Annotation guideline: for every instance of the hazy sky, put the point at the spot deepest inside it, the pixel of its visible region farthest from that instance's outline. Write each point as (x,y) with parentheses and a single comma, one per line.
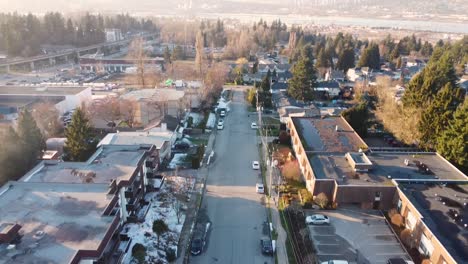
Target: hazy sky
(373,8)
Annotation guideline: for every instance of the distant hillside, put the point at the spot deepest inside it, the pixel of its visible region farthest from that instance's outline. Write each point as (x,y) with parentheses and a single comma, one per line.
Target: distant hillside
(370,8)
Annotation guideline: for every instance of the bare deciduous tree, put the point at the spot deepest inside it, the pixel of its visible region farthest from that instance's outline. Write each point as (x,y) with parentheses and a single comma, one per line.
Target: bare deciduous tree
(138,55)
(400,120)
(107,110)
(47,118)
(199,55)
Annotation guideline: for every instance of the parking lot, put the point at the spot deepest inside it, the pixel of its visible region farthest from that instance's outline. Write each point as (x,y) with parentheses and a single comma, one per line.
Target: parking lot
(356,236)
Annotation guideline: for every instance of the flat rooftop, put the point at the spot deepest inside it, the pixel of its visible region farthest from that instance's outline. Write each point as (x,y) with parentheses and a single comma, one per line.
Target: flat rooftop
(41,90)
(110,162)
(137,138)
(445,212)
(335,166)
(319,134)
(69,215)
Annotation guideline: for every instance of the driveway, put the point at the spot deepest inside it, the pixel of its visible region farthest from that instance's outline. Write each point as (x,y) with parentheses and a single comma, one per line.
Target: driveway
(234,209)
(356,236)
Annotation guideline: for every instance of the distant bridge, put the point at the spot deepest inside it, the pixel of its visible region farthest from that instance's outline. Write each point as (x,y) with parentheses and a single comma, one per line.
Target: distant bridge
(51,58)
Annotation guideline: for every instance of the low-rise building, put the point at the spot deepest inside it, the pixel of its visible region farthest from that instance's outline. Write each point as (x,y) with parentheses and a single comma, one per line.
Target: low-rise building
(127,170)
(436,212)
(59,223)
(162,140)
(335,161)
(152,104)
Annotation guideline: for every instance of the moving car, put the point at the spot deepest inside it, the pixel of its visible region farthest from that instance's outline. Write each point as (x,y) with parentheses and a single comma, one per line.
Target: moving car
(259,188)
(253,125)
(317,219)
(255,165)
(220,126)
(267,247)
(335,262)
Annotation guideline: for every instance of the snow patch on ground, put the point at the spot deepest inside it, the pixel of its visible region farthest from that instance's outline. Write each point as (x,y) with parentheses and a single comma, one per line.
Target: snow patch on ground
(197,118)
(179,159)
(163,206)
(211,121)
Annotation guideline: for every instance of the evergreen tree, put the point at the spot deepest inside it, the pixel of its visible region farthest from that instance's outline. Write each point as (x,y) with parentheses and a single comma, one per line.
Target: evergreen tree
(370,57)
(304,76)
(346,60)
(436,116)
(11,157)
(30,138)
(399,63)
(453,142)
(426,49)
(425,85)
(167,55)
(177,53)
(265,85)
(358,118)
(301,84)
(80,143)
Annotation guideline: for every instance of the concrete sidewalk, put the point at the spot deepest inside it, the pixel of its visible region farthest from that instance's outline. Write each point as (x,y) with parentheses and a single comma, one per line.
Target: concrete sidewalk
(281,253)
(194,206)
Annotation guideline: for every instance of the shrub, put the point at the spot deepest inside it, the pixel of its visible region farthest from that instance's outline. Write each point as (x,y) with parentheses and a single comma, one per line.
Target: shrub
(406,238)
(189,121)
(426,261)
(392,212)
(291,171)
(284,138)
(139,252)
(170,255)
(160,227)
(306,198)
(321,200)
(397,220)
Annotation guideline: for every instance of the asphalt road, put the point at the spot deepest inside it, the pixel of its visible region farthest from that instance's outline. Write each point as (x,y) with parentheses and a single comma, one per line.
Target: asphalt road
(234,208)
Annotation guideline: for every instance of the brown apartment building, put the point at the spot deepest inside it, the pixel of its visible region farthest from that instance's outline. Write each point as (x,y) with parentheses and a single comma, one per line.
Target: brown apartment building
(335,161)
(73,212)
(430,193)
(437,214)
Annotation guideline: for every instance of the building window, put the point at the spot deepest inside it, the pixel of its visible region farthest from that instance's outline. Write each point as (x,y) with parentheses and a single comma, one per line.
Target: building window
(399,205)
(411,221)
(425,246)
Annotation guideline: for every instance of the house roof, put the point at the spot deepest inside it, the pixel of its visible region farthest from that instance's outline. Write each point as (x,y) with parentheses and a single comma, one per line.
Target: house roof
(159,94)
(319,134)
(385,167)
(56,220)
(328,84)
(444,210)
(137,138)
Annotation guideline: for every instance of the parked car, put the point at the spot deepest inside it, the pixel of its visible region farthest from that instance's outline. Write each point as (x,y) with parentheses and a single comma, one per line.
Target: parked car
(335,262)
(253,125)
(181,145)
(255,165)
(222,113)
(259,188)
(267,247)
(221,121)
(220,126)
(317,219)
(197,246)
(399,261)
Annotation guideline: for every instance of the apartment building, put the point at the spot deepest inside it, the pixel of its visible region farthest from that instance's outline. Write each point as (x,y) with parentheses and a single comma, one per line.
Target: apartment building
(335,161)
(436,212)
(59,223)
